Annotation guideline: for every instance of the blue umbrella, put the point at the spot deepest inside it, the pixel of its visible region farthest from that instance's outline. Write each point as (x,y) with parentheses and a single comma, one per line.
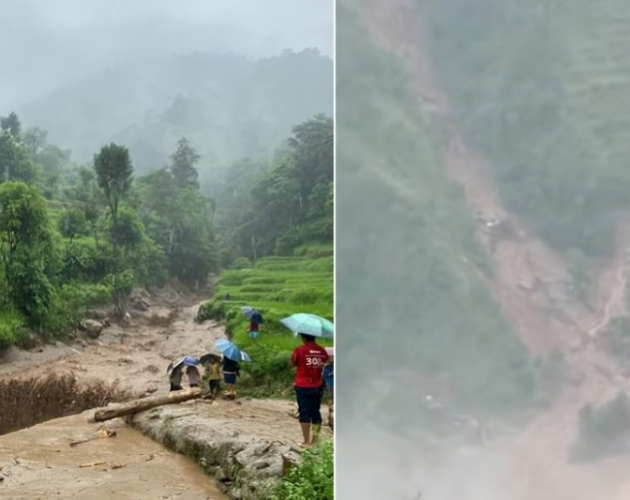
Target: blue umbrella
(186,361)
(252,314)
(190,361)
(230,351)
(309,324)
(248,311)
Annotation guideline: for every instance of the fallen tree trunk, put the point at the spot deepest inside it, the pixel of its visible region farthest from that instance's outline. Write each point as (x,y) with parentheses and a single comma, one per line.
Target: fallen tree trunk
(145,404)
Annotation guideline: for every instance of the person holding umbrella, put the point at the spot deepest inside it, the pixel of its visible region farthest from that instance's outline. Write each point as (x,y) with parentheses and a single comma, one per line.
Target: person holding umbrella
(175,372)
(212,372)
(309,360)
(175,378)
(231,367)
(231,371)
(255,320)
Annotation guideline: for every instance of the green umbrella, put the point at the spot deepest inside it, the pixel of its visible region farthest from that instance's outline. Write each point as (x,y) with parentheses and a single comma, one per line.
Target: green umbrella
(309,324)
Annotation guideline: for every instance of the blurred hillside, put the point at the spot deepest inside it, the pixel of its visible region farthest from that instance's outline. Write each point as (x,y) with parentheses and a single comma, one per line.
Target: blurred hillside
(228,106)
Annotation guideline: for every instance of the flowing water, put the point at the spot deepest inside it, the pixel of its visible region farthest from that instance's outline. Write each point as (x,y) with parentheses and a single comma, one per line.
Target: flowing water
(39,463)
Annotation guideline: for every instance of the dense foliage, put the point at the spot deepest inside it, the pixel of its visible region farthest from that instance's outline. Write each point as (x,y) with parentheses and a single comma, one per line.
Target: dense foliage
(274,225)
(277,287)
(71,235)
(402,263)
(272,209)
(539,88)
(312,478)
(75,234)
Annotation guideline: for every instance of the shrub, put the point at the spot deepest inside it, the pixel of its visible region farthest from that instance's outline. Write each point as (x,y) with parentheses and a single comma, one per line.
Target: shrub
(10,323)
(313,478)
(241,263)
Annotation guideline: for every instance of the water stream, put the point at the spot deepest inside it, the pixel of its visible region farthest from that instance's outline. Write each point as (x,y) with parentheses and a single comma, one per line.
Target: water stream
(39,463)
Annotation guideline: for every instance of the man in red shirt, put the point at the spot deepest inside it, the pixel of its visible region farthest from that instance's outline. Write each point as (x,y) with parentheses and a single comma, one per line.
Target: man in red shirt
(309,360)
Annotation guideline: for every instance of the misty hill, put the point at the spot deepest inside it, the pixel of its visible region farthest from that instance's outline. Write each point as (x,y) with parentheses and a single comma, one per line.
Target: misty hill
(228,106)
(495,118)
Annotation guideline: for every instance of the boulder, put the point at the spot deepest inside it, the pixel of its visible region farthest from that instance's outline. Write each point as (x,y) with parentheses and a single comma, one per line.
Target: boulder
(243,468)
(92,328)
(96,314)
(140,299)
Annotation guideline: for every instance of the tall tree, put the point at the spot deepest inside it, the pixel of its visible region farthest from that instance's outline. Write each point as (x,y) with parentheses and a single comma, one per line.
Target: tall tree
(180,222)
(14,161)
(12,124)
(26,247)
(114,173)
(183,162)
(34,140)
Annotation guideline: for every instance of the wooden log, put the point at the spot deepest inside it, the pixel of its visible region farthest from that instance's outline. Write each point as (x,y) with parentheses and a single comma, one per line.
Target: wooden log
(145,404)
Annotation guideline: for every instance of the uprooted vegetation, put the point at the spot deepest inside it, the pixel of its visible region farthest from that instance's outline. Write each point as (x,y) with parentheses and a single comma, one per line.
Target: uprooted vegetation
(27,402)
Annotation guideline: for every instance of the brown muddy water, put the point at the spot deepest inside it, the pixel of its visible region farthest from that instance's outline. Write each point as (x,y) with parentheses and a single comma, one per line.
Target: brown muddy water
(30,401)
(39,463)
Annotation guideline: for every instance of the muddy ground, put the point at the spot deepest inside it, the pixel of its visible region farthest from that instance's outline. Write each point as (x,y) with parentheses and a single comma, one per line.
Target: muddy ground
(133,358)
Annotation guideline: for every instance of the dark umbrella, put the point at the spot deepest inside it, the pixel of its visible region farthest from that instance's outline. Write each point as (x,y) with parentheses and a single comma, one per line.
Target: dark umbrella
(205,359)
(249,312)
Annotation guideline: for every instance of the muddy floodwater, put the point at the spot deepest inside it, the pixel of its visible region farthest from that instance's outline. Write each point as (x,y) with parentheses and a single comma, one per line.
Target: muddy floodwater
(39,463)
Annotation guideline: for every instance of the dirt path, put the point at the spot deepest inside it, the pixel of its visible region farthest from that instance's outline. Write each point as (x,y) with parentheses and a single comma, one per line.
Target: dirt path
(530,277)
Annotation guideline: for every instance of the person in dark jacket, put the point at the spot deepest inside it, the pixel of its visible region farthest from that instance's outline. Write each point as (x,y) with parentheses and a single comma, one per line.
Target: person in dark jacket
(175,379)
(254,324)
(231,370)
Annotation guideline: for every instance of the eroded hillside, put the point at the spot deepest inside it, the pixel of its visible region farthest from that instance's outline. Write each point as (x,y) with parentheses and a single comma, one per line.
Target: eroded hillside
(482,219)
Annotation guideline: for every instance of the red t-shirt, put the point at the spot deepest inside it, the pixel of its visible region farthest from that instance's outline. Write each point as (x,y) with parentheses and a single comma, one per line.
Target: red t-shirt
(309,360)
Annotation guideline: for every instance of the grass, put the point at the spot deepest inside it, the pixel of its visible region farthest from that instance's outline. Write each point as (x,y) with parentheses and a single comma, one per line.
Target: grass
(312,478)
(277,287)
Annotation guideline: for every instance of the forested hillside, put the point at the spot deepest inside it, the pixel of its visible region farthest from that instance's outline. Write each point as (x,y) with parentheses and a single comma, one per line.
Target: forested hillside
(467,115)
(406,289)
(539,88)
(76,234)
(228,106)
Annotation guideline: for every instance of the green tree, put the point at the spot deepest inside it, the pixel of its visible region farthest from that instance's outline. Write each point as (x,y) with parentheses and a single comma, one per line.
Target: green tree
(114,173)
(312,144)
(127,232)
(72,223)
(34,140)
(14,161)
(183,162)
(11,124)
(179,221)
(26,247)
